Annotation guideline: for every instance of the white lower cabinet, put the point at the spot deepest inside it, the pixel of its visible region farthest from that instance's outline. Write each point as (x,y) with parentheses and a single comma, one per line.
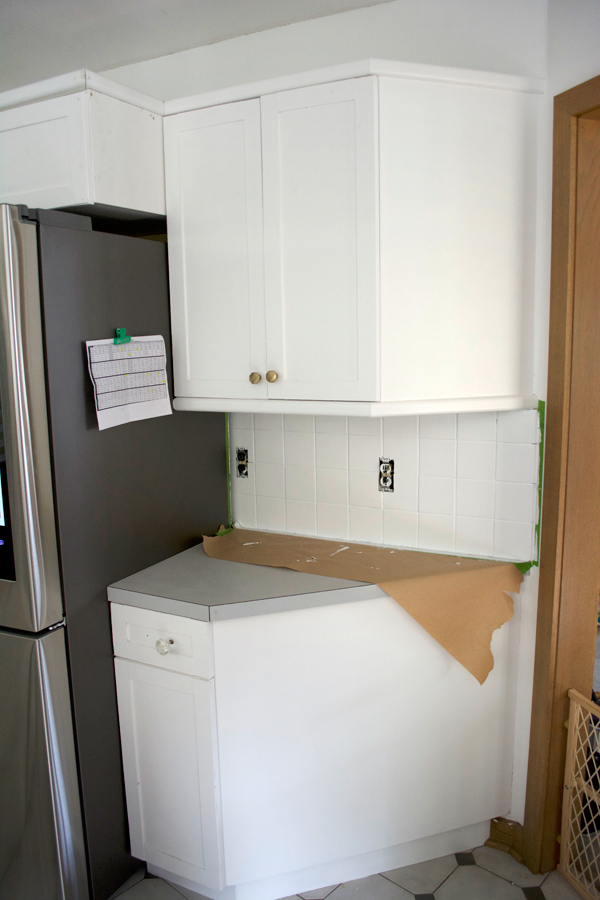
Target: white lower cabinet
(168,735)
(331,743)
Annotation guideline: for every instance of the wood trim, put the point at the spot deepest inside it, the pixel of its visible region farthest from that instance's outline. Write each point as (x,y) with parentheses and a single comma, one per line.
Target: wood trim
(570,549)
(506,835)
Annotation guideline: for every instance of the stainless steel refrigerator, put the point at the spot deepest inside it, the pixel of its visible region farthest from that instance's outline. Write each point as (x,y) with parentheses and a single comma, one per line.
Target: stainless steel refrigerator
(80,508)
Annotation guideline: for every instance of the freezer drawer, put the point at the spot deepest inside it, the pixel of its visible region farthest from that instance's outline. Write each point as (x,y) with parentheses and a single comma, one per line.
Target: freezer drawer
(42,853)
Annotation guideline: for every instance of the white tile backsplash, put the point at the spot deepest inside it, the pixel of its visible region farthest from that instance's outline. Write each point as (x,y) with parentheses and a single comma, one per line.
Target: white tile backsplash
(363,489)
(437,458)
(332,520)
(464,484)
(366,525)
(301,517)
(364,452)
(332,451)
(438,427)
(299,448)
(332,485)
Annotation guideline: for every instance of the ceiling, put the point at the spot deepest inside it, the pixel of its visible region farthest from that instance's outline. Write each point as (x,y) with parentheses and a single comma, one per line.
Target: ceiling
(42,38)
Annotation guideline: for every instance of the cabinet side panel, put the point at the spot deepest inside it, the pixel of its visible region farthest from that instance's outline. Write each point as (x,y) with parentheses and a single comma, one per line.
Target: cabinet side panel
(127,145)
(44,148)
(457,201)
(347,729)
(214,201)
(320,240)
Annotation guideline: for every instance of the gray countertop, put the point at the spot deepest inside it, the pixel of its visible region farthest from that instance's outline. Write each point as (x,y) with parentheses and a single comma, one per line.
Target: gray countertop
(194,585)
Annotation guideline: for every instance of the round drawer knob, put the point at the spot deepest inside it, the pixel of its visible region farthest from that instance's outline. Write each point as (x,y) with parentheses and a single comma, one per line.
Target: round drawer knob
(255,377)
(163,645)
(272,376)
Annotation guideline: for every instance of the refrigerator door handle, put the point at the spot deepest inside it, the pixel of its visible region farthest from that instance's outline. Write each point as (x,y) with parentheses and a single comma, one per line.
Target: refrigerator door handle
(33,601)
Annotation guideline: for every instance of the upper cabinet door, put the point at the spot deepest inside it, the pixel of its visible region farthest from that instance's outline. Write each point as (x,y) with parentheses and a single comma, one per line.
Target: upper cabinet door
(321,241)
(214,208)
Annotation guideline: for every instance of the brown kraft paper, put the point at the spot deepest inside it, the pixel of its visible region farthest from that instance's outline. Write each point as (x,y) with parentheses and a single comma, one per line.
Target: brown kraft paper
(459,601)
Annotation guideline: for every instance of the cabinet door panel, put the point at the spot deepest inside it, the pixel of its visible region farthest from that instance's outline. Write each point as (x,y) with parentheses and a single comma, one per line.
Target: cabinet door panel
(169,762)
(214,207)
(320,200)
(46,153)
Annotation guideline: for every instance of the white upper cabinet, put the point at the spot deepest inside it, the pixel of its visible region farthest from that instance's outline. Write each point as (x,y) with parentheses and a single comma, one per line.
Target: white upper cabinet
(85,147)
(365,246)
(216,250)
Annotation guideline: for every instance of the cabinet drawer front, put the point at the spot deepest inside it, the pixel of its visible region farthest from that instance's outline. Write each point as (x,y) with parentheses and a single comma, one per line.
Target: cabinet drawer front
(141,635)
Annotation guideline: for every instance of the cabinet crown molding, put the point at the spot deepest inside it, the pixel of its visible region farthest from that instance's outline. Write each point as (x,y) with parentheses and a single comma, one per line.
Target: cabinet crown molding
(71,83)
(357,69)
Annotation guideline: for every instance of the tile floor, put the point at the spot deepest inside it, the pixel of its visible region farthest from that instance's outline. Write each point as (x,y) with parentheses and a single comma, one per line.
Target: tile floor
(483,874)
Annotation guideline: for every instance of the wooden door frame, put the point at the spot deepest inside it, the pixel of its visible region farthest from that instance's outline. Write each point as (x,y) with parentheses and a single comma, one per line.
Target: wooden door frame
(569,570)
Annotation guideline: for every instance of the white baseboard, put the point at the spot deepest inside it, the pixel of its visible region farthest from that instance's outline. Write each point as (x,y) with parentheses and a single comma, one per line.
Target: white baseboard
(339,871)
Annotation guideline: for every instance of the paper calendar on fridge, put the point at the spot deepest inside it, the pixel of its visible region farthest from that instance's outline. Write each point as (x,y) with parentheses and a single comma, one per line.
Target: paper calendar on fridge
(130,380)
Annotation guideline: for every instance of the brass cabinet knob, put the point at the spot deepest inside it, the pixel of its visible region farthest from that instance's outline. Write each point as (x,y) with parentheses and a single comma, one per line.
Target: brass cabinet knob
(272,376)
(255,377)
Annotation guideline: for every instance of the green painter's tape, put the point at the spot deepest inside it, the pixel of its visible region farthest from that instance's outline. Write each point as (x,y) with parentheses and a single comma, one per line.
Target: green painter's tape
(229,528)
(526,566)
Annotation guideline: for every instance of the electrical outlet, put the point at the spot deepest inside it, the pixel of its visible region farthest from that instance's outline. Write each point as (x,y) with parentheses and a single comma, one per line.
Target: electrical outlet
(241,462)
(386,475)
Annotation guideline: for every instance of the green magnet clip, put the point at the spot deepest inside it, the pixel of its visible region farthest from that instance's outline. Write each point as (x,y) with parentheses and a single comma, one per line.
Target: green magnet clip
(121,336)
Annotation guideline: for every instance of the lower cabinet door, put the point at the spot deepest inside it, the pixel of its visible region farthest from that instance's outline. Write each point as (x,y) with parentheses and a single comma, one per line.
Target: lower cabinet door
(168,738)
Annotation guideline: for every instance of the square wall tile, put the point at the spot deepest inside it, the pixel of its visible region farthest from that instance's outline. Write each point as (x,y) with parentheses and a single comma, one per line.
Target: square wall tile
(240,420)
(244,510)
(364,425)
(436,532)
(332,424)
(400,528)
(476,459)
(437,458)
(270,513)
(477,426)
(299,423)
(300,483)
(332,521)
(366,525)
(241,437)
(268,447)
(299,448)
(364,452)
(517,462)
(436,495)
(401,427)
(332,485)
(404,452)
(268,422)
(363,489)
(332,450)
(269,480)
(439,427)
(475,536)
(301,517)
(513,540)
(519,426)
(475,498)
(515,502)
(405,494)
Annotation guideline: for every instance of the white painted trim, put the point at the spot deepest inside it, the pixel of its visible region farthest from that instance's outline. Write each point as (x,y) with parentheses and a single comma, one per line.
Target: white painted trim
(356,70)
(339,871)
(356,408)
(117,91)
(71,83)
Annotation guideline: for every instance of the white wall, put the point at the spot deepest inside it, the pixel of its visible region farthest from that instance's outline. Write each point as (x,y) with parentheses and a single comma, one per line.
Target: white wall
(495,35)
